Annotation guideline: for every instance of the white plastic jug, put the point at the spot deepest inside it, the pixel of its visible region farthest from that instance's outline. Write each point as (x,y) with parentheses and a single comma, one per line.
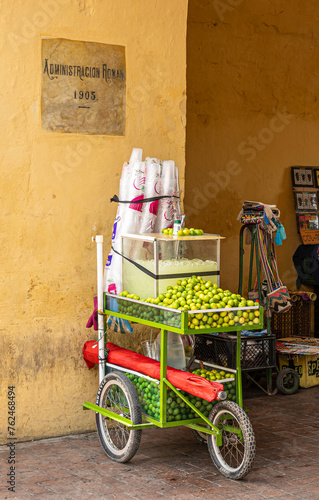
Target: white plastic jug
(175,350)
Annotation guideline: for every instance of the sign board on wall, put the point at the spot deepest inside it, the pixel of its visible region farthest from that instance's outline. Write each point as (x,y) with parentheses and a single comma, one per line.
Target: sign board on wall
(83,87)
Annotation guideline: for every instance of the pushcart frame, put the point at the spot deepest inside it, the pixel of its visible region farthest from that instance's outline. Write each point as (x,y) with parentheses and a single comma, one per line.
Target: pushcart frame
(163,382)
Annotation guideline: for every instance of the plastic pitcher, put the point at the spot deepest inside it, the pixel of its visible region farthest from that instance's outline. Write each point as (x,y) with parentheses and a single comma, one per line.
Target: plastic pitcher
(175,350)
(149,349)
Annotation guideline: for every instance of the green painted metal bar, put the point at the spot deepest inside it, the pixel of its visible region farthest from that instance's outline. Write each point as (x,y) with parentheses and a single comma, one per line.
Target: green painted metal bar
(239,387)
(163,375)
(268,321)
(205,430)
(269,380)
(200,428)
(176,423)
(251,265)
(184,322)
(256,383)
(196,410)
(255,241)
(241,259)
(114,416)
(107,413)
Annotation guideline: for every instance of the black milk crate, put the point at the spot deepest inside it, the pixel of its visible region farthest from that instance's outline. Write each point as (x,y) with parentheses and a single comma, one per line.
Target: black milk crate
(257,352)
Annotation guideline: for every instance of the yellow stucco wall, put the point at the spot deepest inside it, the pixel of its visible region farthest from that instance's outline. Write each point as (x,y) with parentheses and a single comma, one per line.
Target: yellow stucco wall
(55,191)
(252,112)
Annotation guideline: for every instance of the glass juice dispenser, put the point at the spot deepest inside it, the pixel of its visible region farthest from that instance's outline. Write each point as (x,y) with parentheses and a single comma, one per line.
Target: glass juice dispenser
(151,262)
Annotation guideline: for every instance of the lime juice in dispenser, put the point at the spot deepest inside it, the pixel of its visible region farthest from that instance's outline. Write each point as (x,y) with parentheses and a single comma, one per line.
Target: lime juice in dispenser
(150,263)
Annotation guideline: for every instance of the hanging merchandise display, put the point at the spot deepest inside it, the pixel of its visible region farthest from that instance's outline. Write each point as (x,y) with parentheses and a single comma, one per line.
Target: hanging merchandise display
(255,212)
(268,291)
(268,230)
(277,293)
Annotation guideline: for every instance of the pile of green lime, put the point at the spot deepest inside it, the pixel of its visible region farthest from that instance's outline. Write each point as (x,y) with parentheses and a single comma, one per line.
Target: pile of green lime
(216,376)
(193,294)
(149,396)
(183,232)
(149,313)
(177,409)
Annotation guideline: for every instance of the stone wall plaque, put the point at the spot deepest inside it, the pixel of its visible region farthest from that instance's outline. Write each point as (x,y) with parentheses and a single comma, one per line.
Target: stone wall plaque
(83,87)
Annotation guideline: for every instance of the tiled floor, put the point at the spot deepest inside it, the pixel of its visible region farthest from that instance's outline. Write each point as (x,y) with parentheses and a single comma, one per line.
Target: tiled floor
(171,464)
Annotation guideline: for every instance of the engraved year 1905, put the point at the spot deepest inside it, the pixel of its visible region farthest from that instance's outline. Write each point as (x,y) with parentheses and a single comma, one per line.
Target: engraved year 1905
(88,95)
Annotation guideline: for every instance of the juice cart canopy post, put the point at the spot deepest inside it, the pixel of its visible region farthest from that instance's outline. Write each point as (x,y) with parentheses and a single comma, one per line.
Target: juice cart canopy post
(151,262)
(99,258)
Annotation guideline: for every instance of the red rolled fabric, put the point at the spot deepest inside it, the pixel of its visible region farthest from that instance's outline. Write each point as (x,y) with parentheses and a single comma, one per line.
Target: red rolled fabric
(194,384)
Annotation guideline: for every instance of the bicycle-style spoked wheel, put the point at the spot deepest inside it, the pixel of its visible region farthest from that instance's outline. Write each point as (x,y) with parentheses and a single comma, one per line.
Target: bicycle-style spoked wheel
(235,457)
(118,395)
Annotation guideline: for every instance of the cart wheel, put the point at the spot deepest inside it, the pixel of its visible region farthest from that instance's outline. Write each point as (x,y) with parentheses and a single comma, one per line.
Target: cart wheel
(235,457)
(200,436)
(287,381)
(117,394)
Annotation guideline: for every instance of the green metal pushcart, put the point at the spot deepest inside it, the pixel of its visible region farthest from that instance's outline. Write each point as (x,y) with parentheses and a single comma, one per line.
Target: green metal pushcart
(120,418)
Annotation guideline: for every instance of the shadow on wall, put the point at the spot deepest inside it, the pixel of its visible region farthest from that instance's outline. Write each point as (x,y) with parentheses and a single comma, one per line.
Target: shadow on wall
(249,116)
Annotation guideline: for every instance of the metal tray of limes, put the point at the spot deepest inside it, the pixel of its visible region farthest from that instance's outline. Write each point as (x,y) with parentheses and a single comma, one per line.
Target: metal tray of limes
(203,317)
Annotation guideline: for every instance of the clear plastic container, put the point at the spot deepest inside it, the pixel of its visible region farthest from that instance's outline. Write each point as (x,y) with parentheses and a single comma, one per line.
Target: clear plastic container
(150,263)
(175,350)
(148,349)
